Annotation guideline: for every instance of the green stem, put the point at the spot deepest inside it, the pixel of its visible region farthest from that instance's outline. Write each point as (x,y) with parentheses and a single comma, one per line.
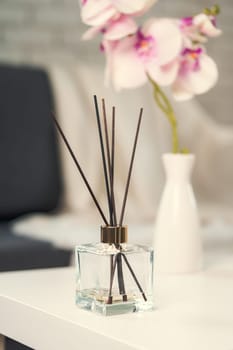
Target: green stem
(166,107)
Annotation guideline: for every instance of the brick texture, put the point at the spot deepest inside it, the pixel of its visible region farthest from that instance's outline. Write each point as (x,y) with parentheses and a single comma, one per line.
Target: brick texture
(40,31)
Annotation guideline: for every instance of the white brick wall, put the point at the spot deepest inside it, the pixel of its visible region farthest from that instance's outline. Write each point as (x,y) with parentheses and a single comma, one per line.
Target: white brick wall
(39,31)
(36,31)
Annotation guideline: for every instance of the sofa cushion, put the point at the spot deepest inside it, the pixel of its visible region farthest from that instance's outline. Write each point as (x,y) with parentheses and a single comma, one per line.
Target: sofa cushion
(11,344)
(30,177)
(22,253)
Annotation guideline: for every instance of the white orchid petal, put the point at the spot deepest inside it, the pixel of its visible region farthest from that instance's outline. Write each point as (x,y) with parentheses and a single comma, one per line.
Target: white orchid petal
(127,71)
(203,22)
(97,12)
(132,6)
(196,82)
(204,79)
(168,39)
(200,19)
(210,30)
(180,94)
(164,75)
(119,29)
(91,33)
(181,90)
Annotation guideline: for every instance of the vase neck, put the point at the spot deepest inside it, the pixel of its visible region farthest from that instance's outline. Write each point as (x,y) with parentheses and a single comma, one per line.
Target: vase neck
(178,167)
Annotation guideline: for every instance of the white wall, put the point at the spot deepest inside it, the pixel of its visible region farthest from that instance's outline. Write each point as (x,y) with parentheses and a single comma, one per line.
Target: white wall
(39,30)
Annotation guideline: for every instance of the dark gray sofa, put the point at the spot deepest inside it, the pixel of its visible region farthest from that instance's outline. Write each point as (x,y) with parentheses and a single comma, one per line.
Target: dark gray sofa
(30,171)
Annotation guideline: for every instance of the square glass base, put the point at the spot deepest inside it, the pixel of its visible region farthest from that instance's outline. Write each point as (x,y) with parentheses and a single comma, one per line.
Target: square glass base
(89,300)
(112,281)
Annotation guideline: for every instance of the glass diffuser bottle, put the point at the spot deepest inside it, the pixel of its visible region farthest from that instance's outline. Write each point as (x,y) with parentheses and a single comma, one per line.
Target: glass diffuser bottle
(113,277)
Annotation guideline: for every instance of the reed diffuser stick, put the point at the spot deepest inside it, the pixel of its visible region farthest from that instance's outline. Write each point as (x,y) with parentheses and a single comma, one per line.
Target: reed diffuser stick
(113,269)
(109,160)
(113,166)
(103,156)
(79,168)
(134,276)
(120,275)
(130,168)
(112,218)
(116,259)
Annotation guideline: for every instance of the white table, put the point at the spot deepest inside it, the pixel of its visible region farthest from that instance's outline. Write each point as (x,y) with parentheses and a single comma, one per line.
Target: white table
(193,312)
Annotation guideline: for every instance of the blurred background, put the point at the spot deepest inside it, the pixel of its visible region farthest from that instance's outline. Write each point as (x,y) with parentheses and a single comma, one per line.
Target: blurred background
(47,34)
(44,65)
(43,31)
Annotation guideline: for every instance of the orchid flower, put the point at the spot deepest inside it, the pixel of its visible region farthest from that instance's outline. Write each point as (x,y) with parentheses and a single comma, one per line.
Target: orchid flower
(206,25)
(168,52)
(199,27)
(147,52)
(99,12)
(197,74)
(116,28)
(113,18)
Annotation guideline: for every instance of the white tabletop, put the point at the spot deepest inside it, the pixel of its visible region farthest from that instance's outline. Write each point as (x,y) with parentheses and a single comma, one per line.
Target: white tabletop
(193,312)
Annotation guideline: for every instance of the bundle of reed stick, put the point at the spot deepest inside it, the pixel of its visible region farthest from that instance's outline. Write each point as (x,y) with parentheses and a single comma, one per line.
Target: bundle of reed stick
(108,165)
(108,161)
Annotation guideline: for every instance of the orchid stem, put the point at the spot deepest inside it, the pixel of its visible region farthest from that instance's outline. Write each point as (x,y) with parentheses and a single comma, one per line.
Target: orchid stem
(166,107)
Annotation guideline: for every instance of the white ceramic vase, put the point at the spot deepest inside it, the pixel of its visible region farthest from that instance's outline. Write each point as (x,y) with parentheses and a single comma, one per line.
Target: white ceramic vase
(177,241)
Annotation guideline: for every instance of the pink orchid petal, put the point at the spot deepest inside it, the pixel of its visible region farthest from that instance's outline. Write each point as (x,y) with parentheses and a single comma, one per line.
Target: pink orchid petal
(163,75)
(205,25)
(180,93)
(97,12)
(132,6)
(168,39)
(127,71)
(201,81)
(196,82)
(121,28)
(91,33)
